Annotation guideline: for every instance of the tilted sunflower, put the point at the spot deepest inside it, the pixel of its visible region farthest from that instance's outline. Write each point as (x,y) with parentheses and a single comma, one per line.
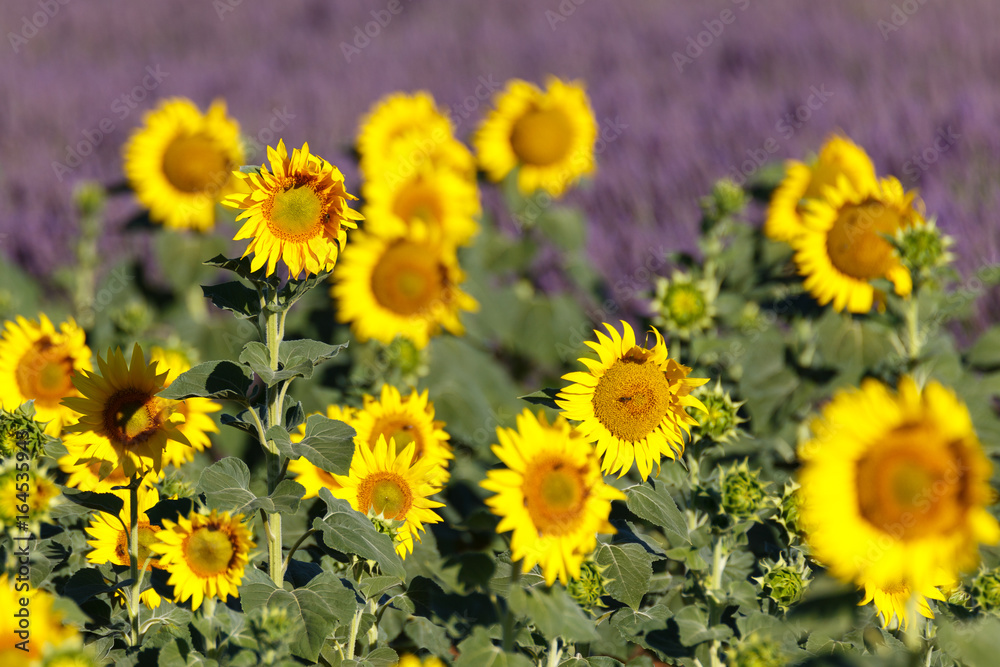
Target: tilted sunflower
(310,476)
(549,134)
(121,419)
(840,248)
(205,555)
(406,284)
(111,535)
(197,424)
(551,495)
(839,157)
(631,401)
(296,211)
(48,628)
(894,489)
(38,363)
(180,162)
(392,489)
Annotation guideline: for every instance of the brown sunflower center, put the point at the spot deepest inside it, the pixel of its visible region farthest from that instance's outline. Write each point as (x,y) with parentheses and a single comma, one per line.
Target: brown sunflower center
(913,484)
(385,493)
(632,397)
(555,494)
(45,373)
(147,536)
(208,551)
(854,245)
(295,214)
(408,278)
(542,137)
(131,416)
(194,163)
(418,200)
(402,431)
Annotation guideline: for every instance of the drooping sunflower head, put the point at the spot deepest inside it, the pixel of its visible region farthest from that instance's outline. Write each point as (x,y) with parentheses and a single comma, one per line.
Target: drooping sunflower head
(391,489)
(197,423)
(121,418)
(296,211)
(895,487)
(684,306)
(631,401)
(551,494)
(548,134)
(38,363)
(180,162)
(404,284)
(205,555)
(310,476)
(840,248)
(839,157)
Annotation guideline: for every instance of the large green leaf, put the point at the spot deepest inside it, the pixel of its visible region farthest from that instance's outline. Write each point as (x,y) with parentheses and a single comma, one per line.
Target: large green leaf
(479,651)
(627,571)
(985,352)
(328,444)
(554,613)
(235,297)
(652,501)
(212,379)
(108,503)
(350,532)
(226,485)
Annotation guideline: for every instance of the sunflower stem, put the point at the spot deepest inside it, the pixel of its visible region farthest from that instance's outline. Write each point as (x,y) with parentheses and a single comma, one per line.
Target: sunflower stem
(554,652)
(274,329)
(352,636)
(913,331)
(133,557)
(508,614)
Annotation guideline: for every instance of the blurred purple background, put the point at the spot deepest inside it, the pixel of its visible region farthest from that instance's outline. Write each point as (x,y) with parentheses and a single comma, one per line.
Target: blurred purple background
(894,76)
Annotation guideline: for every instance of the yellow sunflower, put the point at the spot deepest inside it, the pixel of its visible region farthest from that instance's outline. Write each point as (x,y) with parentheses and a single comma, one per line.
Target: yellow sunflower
(840,248)
(402,284)
(839,157)
(85,473)
(42,628)
(631,402)
(180,162)
(550,135)
(121,419)
(296,211)
(37,363)
(32,489)
(895,487)
(551,495)
(392,488)
(893,602)
(410,660)
(312,477)
(197,424)
(205,555)
(111,534)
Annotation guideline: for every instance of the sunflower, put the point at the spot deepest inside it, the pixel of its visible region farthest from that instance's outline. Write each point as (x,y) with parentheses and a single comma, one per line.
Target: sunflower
(111,534)
(893,602)
(839,157)
(410,660)
(392,489)
(85,473)
(406,421)
(122,421)
(684,306)
(550,135)
(631,402)
(205,555)
(401,284)
(895,488)
(551,495)
(46,627)
(180,161)
(197,424)
(38,495)
(310,476)
(296,212)
(37,363)
(840,248)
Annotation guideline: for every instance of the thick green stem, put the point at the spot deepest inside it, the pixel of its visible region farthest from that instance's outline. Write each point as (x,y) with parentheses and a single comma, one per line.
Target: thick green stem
(508,615)
(352,636)
(554,652)
(274,327)
(133,558)
(913,330)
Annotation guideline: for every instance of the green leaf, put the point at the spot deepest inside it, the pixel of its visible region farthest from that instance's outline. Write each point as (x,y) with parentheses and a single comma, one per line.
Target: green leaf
(226,485)
(351,532)
(241,267)
(235,297)
(478,651)
(429,635)
(212,379)
(296,358)
(292,352)
(692,623)
(382,657)
(985,352)
(255,356)
(628,569)
(654,503)
(108,503)
(328,444)
(546,397)
(554,613)
(88,583)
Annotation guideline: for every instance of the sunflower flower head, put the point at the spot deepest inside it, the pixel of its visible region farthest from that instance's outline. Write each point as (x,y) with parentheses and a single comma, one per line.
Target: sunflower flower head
(296,211)
(38,496)
(20,431)
(743,492)
(631,401)
(48,631)
(923,248)
(986,589)
(683,306)
(589,588)
(720,422)
(785,581)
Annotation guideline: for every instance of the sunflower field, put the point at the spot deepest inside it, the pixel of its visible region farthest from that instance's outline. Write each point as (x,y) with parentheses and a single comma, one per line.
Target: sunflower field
(369,401)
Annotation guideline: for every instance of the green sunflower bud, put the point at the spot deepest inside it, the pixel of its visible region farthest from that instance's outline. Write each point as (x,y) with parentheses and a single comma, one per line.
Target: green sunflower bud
(89,198)
(132,318)
(986,589)
(756,651)
(923,248)
(683,306)
(589,588)
(19,432)
(727,199)
(721,421)
(784,582)
(788,509)
(743,494)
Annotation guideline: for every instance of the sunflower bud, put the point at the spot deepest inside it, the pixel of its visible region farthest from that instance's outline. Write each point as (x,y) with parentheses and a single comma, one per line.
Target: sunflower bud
(756,651)
(923,248)
(742,491)
(986,589)
(19,432)
(89,198)
(721,421)
(683,306)
(132,318)
(788,508)
(727,199)
(588,589)
(784,582)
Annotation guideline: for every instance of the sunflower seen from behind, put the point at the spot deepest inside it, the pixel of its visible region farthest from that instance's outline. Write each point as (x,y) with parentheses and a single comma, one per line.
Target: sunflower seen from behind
(548,135)
(631,401)
(297,212)
(894,489)
(550,495)
(180,162)
(38,363)
(197,424)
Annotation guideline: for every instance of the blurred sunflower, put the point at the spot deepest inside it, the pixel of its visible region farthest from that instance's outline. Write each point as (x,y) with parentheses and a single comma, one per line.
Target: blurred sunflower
(37,363)
(180,162)
(410,660)
(111,534)
(310,476)
(197,424)
(392,489)
(551,495)
(893,601)
(48,628)
(205,555)
(85,473)
(121,419)
(39,495)
(840,248)
(403,284)
(895,488)
(296,212)
(838,158)
(631,402)
(550,135)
